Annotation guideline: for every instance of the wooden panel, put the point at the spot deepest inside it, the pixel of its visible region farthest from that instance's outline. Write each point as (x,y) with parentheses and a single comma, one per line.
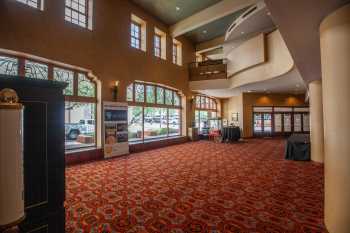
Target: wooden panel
(35,144)
(44,165)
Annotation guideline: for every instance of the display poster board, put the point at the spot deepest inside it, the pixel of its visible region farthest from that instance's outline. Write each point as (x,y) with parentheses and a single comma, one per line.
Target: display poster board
(115,129)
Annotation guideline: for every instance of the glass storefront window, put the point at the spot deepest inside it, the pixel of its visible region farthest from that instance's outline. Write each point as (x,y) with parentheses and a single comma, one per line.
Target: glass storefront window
(174,122)
(80,124)
(135,122)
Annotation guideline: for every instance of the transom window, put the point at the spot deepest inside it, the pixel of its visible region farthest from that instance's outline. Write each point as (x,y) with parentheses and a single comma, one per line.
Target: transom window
(157,46)
(77,12)
(135,35)
(154,112)
(33,3)
(80,96)
(8,65)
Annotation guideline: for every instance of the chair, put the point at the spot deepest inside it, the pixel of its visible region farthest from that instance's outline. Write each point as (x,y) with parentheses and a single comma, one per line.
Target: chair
(215,135)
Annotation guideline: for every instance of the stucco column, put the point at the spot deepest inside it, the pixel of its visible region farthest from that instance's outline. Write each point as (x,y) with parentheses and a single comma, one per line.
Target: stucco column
(316,121)
(335,57)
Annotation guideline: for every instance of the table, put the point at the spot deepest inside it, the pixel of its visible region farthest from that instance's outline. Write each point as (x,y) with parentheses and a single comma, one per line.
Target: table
(230,134)
(298,147)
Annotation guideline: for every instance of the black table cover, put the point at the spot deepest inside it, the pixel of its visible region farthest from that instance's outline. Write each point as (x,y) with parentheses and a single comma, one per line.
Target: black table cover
(298,147)
(230,134)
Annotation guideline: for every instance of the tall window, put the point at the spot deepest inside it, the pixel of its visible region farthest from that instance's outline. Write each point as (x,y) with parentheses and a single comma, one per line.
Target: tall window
(135,35)
(157,45)
(154,112)
(205,110)
(80,96)
(177,52)
(174,53)
(33,3)
(77,12)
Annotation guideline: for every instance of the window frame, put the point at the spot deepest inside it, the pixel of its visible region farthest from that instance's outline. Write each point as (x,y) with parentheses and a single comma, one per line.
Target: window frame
(145,104)
(175,56)
(39,4)
(67,98)
(209,110)
(86,13)
(157,47)
(139,34)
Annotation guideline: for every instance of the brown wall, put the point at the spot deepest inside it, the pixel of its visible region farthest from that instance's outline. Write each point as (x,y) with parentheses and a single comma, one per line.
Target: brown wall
(258,99)
(105,50)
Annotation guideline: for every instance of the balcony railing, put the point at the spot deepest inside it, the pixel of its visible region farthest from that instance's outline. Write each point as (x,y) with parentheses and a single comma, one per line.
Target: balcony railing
(208,70)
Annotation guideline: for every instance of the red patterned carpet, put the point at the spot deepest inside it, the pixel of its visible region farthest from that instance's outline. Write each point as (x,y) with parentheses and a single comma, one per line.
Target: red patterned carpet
(197,187)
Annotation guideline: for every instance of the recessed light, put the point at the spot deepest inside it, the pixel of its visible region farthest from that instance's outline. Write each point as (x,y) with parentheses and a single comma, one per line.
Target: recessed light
(205,31)
(268,13)
(242,33)
(178,8)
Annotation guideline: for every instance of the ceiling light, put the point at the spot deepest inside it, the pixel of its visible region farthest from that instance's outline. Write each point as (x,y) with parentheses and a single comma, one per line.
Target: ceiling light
(205,31)
(178,8)
(242,33)
(268,13)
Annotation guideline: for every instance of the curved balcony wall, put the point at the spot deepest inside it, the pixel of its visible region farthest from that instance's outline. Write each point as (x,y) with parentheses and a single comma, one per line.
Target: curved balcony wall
(261,58)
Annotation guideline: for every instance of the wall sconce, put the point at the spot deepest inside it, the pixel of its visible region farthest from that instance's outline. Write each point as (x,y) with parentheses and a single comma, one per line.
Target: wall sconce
(115,91)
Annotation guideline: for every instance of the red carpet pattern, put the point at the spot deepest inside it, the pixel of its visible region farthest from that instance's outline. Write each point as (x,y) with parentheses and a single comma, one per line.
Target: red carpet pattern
(201,187)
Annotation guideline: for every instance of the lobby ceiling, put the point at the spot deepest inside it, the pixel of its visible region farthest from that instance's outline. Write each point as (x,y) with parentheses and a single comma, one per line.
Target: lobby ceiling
(214,29)
(172,12)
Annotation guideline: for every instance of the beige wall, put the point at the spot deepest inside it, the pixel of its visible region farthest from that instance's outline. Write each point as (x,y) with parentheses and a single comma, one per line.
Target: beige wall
(233,105)
(260,99)
(246,55)
(316,121)
(105,50)
(335,57)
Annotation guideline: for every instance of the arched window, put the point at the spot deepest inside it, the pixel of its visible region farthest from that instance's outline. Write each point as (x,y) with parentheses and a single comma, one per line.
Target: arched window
(154,111)
(80,95)
(205,110)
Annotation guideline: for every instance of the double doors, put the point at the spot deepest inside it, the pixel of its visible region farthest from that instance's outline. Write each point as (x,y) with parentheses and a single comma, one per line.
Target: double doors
(280,123)
(262,124)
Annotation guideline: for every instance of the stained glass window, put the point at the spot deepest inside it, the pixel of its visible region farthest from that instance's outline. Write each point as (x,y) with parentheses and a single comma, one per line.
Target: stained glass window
(8,65)
(130,92)
(168,97)
(67,76)
(36,70)
(32,3)
(198,101)
(152,121)
(150,94)
(176,99)
(77,12)
(139,93)
(160,95)
(86,88)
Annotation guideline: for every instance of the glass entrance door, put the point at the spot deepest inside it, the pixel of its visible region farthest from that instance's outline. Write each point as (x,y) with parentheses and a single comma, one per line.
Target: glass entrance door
(262,124)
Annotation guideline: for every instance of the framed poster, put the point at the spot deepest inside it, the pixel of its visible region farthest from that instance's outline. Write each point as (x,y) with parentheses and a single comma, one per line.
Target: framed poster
(115,129)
